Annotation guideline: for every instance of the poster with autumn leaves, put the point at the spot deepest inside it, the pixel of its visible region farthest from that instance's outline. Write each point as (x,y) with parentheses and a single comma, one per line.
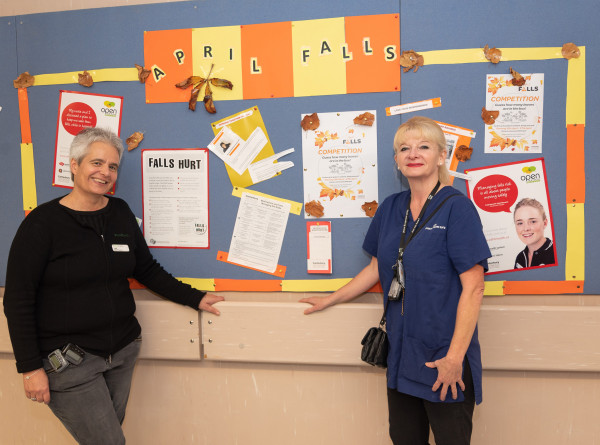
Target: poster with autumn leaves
(518,125)
(340,164)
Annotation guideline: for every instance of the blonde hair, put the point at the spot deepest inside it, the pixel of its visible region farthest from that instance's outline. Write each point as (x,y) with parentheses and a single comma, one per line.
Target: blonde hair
(530,202)
(427,129)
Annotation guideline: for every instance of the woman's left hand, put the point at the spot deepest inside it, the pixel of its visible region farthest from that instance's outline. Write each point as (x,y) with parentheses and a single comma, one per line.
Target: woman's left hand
(449,374)
(206,304)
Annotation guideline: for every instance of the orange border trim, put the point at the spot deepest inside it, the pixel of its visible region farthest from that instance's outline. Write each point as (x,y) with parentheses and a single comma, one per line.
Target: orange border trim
(222,284)
(543,287)
(24,116)
(575,187)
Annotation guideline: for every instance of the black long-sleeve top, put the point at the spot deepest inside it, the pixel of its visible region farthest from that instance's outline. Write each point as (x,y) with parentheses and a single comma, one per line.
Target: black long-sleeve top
(66,283)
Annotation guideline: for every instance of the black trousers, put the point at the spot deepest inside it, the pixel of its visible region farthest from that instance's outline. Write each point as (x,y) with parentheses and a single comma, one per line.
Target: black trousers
(452,423)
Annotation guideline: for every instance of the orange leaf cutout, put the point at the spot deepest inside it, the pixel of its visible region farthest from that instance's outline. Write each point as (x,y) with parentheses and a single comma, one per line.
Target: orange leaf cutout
(370,208)
(489,117)
(492,54)
(570,51)
(517,79)
(365,119)
(24,80)
(314,208)
(85,79)
(143,73)
(463,153)
(310,122)
(134,140)
(410,59)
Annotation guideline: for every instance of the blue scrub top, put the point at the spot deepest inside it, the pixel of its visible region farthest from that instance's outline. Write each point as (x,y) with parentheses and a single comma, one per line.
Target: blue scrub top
(451,243)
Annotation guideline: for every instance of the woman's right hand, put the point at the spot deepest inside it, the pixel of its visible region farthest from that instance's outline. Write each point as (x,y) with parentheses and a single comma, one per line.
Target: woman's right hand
(36,387)
(317,303)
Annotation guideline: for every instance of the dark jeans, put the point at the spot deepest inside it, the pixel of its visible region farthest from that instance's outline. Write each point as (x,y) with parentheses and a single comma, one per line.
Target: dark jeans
(90,399)
(452,423)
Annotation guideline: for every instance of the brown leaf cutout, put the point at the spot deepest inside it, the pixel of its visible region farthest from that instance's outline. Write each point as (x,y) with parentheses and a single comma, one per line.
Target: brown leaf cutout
(370,208)
(314,208)
(85,79)
(517,79)
(489,117)
(194,99)
(208,100)
(134,140)
(410,59)
(570,51)
(24,80)
(310,122)
(365,119)
(223,83)
(492,54)
(463,153)
(143,73)
(192,80)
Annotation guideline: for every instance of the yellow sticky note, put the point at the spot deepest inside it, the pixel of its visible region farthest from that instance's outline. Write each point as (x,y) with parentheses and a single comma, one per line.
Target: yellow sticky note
(576,89)
(28,177)
(296,207)
(222,47)
(205,284)
(494,288)
(313,285)
(575,256)
(319,50)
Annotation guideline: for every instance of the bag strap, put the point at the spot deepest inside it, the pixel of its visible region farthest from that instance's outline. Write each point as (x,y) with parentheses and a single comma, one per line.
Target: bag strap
(383,319)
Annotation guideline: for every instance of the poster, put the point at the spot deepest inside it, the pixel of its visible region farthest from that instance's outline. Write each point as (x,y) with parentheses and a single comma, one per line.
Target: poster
(455,137)
(514,206)
(340,165)
(77,111)
(518,127)
(258,233)
(175,198)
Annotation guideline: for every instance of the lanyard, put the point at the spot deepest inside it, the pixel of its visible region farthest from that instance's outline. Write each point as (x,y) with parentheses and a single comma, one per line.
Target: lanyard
(414,231)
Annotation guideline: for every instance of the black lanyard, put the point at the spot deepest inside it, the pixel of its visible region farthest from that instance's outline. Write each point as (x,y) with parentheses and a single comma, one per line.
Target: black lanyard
(414,231)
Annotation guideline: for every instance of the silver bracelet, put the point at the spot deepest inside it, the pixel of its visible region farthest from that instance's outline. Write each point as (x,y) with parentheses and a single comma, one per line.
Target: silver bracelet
(27,377)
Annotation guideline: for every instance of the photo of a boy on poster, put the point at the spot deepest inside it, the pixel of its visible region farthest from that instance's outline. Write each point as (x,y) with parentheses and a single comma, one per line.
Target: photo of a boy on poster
(514,206)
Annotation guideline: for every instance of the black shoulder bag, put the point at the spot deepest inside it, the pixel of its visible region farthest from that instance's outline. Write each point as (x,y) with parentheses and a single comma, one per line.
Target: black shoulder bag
(375,342)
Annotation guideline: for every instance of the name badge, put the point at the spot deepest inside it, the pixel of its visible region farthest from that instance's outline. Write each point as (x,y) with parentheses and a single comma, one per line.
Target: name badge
(120,248)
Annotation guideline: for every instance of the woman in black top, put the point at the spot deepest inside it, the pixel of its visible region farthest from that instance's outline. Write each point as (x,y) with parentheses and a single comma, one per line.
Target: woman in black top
(67,299)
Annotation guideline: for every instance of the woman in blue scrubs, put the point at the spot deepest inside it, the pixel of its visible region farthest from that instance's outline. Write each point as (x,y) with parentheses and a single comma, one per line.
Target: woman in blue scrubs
(431,271)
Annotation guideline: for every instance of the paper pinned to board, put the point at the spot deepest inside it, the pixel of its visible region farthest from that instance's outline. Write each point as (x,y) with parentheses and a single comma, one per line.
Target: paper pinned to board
(235,151)
(318,247)
(267,168)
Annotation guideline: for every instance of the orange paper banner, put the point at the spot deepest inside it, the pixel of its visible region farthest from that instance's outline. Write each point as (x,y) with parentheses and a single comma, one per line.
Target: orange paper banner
(222,285)
(24,116)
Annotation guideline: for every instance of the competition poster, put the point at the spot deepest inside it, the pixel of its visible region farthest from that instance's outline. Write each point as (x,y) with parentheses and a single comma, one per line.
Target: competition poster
(514,206)
(340,165)
(175,198)
(77,111)
(518,127)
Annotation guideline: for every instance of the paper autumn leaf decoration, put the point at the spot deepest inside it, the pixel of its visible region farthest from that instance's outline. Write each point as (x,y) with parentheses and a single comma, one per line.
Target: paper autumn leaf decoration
(322,137)
(24,80)
(410,59)
(463,153)
(365,119)
(85,79)
(370,208)
(198,82)
(310,122)
(143,73)
(499,141)
(314,208)
(517,79)
(489,117)
(134,140)
(492,54)
(570,51)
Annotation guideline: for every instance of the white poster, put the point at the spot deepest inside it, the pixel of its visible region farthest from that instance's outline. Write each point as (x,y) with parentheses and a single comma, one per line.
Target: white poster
(76,111)
(513,204)
(340,165)
(258,233)
(175,197)
(518,127)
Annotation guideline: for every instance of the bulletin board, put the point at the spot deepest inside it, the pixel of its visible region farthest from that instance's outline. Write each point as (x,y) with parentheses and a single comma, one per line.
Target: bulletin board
(108,41)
